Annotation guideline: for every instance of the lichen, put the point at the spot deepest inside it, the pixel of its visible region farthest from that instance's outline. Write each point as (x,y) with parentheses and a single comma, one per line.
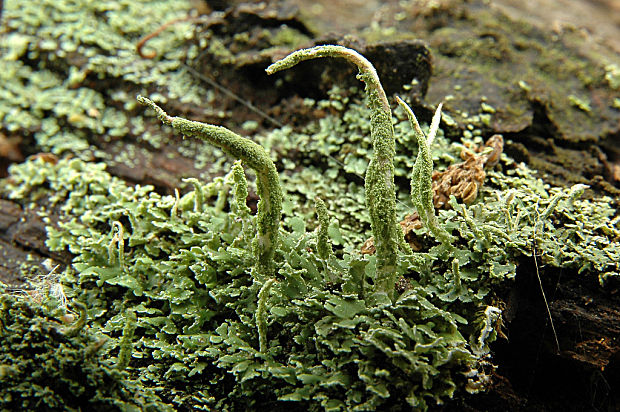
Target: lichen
(187,281)
(379,179)
(268,181)
(323,245)
(44,367)
(421,177)
(317,340)
(52,51)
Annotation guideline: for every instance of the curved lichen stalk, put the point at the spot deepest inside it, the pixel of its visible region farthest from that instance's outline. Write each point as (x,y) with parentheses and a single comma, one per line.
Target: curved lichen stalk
(267,180)
(76,328)
(421,177)
(379,181)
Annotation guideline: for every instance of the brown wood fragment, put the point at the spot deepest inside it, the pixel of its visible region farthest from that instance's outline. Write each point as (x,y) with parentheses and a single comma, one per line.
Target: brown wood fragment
(9,148)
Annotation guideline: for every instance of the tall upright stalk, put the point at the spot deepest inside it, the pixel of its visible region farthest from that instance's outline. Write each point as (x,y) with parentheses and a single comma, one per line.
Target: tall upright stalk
(379,181)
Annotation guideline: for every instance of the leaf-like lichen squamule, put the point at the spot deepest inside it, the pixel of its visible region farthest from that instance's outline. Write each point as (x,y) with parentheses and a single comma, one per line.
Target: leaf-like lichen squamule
(267,182)
(75,329)
(379,181)
(118,238)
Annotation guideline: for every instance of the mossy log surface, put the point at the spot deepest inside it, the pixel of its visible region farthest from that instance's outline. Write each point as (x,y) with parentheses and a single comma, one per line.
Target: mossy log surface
(553,94)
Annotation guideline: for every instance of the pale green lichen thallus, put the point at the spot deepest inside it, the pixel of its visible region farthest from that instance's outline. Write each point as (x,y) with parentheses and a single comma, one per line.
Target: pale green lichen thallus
(379,179)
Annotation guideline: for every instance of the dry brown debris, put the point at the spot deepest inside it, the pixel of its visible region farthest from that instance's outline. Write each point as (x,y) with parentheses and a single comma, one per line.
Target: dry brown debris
(463,180)
(46,157)
(9,148)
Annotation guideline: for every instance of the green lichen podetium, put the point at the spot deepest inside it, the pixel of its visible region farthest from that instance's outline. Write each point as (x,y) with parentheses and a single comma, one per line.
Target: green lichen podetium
(239,207)
(379,180)
(126,344)
(421,177)
(267,182)
(261,319)
(324,248)
(198,194)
